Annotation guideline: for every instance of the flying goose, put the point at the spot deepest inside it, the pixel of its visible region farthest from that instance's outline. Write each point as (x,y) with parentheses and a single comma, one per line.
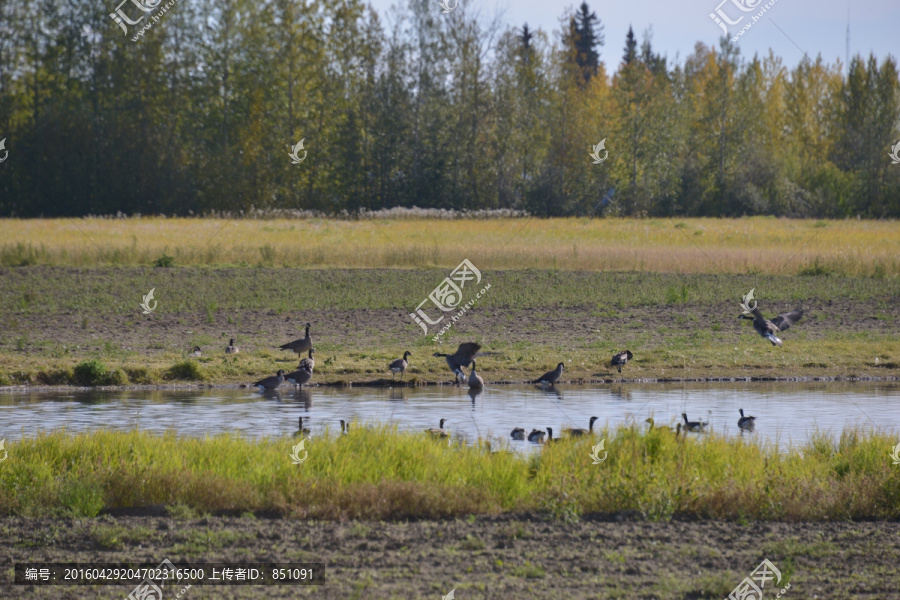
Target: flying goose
(231,348)
(536,436)
(301,431)
(196,352)
(620,359)
(308,362)
(400,365)
(746,422)
(694,425)
(517,434)
(271,383)
(764,327)
(475,380)
(439,431)
(463,356)
(300,377)
(299,346)
(550,377)
(581,432)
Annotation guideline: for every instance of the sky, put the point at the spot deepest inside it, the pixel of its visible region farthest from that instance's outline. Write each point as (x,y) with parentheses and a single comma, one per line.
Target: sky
(813,27)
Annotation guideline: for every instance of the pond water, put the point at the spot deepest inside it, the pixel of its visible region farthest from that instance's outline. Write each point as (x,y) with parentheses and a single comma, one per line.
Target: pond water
(787,413)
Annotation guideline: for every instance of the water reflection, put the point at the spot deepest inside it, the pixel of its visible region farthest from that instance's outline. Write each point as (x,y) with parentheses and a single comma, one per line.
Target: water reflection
(786,412)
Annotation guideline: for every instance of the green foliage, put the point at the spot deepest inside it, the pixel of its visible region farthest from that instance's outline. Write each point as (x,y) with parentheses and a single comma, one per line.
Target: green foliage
(164,261)
(93,372)
(186,370)
(376,472)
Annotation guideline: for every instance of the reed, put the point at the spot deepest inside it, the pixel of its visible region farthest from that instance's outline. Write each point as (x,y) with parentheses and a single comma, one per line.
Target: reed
(747,245)
(377,472)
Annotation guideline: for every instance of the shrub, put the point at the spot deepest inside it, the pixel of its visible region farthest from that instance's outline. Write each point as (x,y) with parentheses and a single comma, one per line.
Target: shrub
(187,370)
(93,372)
(164,261)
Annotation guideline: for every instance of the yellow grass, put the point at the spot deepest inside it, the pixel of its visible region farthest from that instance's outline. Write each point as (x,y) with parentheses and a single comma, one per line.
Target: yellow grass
(848,247)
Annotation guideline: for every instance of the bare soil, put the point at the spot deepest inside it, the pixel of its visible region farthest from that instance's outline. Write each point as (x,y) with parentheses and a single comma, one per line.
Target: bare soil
(495,557)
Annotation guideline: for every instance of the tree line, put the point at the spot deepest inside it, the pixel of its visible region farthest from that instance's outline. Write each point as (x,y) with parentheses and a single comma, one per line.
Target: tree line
(421,108)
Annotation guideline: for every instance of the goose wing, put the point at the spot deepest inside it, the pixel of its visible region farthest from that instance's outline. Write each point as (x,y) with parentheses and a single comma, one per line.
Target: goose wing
(784,321)
(465,353)
(397,364)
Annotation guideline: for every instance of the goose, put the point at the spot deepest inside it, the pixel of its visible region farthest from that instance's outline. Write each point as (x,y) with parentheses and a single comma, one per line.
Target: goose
(550,377)
(620,359)
(301,430)
(231,348)
(309,361)
(694,425)
(400,365)
(196,352)
(345,428)
(652,423)
(536,436)
(678,431)
(300,377)
(550,437)
(517,434)
(299,346)
(439,431)
(746,422)
(463,356)
(764,327)
(271,383)
(475,380)
(582,432)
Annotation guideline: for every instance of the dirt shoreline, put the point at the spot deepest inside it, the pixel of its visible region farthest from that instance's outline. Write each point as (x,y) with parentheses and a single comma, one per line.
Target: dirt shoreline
(599,556)
(388,383)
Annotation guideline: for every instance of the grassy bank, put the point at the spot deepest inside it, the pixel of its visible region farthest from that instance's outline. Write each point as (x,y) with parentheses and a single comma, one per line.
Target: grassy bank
(378,473)
(749,245)
(57,324)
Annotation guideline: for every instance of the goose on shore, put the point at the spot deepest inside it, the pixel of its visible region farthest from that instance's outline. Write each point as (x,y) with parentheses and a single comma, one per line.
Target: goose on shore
(551,377)
(747,422)
(300,377)
(694,425)
(550,437)
(196,352)
(577,432)
(231,348)
(517,434)
(309,362)
(463,357)
(621,359)
(439,431)
(400,365)
(301,430)
(475,380)
(345,427)
(299,346)
(536,436)
(764,327)
(271,383)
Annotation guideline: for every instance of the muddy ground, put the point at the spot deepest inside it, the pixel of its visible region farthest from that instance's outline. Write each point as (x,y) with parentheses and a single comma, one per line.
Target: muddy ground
(353,336)
(498,557)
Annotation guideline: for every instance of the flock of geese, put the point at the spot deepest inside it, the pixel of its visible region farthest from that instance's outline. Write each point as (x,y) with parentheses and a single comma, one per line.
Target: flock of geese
(465,357)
